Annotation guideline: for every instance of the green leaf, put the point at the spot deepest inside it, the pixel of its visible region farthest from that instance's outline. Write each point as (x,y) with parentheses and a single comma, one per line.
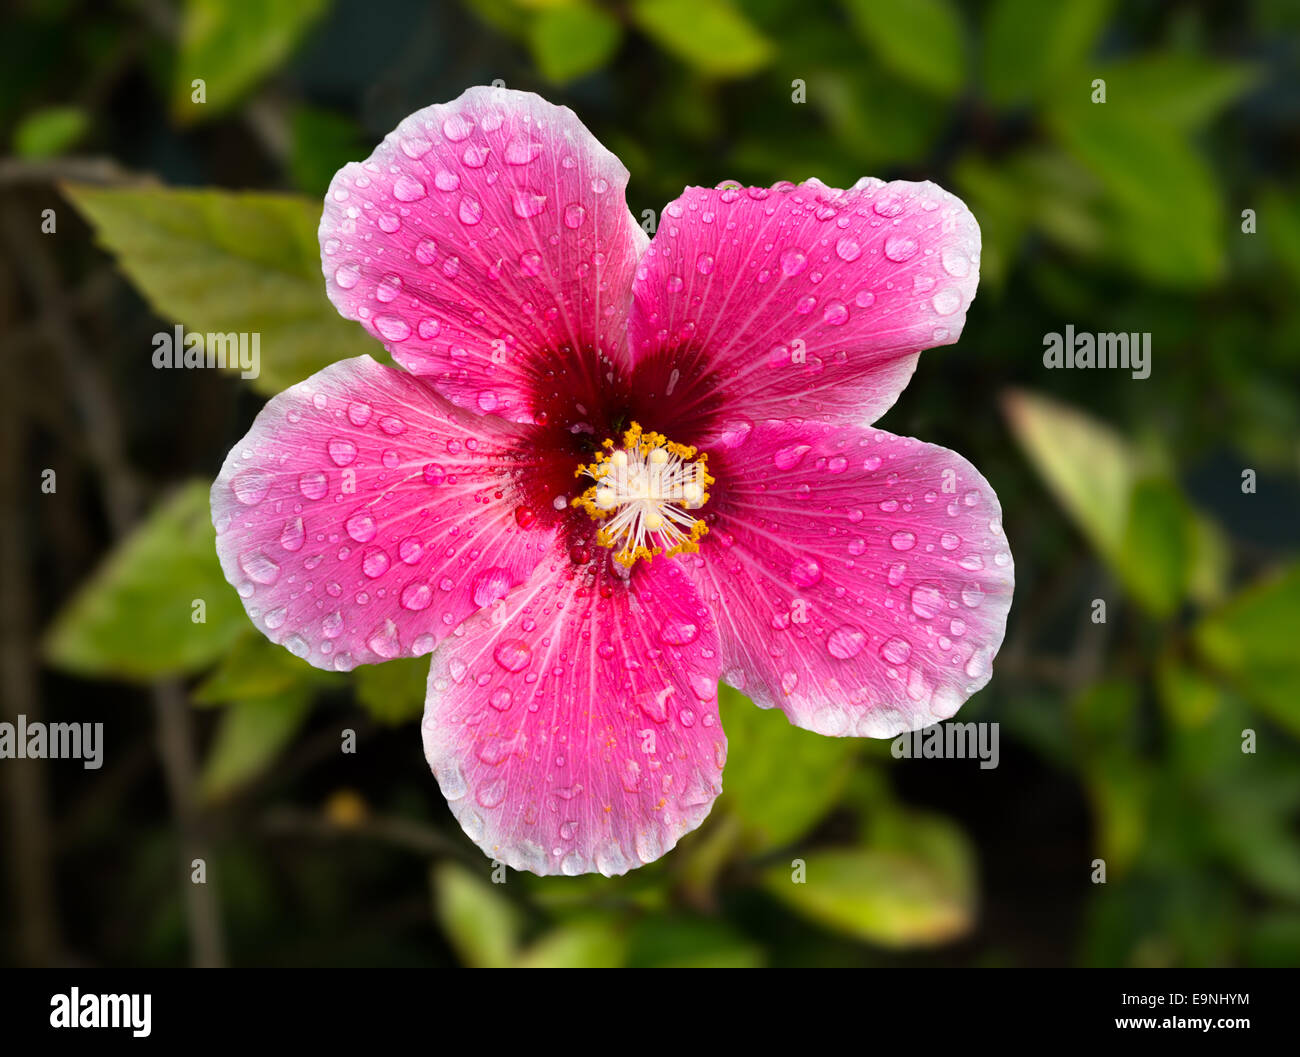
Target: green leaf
(249,738)
(323,142)
(482,925)
(1029,44)
(1139,524)
(394,692)
(922,41)
(1166,210)
(884,896)
(1278,220)
(1251,641)
(671,942)
(779,780)
(572,40)
(1087,466)
(232,46)
(595,944)
(49,131)
(1158,540)
(257,667)
(223,262)
(1169,90)
(711,35)
(133,619)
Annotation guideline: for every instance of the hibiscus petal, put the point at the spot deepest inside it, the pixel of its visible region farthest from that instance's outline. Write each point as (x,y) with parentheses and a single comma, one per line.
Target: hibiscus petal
(861,580)
(363,517)
(799,299)
(485,242)
(574,727)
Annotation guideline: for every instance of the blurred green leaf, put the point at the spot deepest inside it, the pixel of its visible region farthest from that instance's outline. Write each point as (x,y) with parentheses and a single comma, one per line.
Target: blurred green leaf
(482,925)
(1140,524)
(671,942)
(1086,465)
(250,736)
(232,46)
(132,619)
(779,780)
(1187,696)
(1117,779)
(1029,44)
(1157,544)
(1251,641)
(573,40)
(393,692)
(711,35)
(920,40)
(1166,208)
(323,142)
(1279,221)
(1272,940)
(1209,561)
(880,118)
(598,943)
(49,131)
(257,667)
(221,262)
(883,896)
(1165,89)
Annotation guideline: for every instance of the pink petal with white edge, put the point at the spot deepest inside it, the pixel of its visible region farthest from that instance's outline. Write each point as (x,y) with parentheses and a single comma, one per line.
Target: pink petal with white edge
(574,728)
(486,242)
(363,517)
(800,299)
(861,580)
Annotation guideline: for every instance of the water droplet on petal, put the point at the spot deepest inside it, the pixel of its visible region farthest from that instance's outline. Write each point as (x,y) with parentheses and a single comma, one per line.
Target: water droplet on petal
(806,571)
(793,262)
(846,641)
(408,189)
(491,585)
(416,595)
(903,540)
(900,248)
(250,486)
(374,562)
(341,450)
(927,600)
(513,654)
(896,650)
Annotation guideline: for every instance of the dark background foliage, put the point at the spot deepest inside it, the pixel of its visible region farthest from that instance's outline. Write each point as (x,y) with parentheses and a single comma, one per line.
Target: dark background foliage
(1121,741)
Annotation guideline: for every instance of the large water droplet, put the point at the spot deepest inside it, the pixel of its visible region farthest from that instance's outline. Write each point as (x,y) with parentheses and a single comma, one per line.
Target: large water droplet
(927,600)
(900,248)
(491,585)
(679,632)
(903,540)
(250,486)
(374,562)
(408,189)
(360,526)
(793,262)
(896,650)
(805,571)
(513,654)
(846,641)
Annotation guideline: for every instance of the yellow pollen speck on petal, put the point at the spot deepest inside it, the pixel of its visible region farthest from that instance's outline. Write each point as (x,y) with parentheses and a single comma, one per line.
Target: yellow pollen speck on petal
(643,494)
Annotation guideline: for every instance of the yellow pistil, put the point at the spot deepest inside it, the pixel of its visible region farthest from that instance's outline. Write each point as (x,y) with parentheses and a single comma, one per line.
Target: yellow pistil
(642,493)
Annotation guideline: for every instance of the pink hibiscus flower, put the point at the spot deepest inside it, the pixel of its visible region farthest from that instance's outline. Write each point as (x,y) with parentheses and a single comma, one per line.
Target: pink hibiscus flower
(617,471)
